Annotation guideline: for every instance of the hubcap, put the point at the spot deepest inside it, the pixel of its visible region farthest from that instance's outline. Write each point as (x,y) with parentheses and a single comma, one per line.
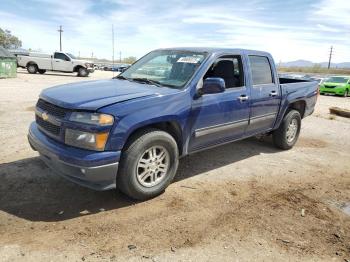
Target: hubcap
(292,130)
(152,166)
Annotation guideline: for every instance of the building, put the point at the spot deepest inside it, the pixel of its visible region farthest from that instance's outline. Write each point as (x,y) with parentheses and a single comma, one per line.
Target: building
(8,64)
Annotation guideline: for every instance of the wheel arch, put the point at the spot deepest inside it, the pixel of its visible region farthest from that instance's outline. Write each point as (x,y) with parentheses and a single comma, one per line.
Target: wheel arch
(299,106)
(171,127)
(32,63)
(77,67)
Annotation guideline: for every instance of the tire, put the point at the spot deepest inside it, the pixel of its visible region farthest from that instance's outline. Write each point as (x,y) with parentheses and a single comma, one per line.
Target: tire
(83,72)
(346,93)
(32,68)
(287,133)
(41,71)
(136,161)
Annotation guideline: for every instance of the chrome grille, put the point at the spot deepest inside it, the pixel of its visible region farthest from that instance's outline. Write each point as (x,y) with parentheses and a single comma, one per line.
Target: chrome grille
(47,126)
(52,109)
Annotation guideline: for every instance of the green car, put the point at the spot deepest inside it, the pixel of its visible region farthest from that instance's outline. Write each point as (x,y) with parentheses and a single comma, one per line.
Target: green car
(337,85)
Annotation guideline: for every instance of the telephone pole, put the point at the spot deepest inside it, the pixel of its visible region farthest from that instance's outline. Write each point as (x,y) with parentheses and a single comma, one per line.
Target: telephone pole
(113,47)
(60,30)
(330,57)
(120,56)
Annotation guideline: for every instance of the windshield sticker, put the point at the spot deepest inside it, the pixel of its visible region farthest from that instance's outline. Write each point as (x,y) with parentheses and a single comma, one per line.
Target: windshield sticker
(189,59)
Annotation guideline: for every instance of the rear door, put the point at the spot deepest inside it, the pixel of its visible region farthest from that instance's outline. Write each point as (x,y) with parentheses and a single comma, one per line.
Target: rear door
(62,62)
(265,94)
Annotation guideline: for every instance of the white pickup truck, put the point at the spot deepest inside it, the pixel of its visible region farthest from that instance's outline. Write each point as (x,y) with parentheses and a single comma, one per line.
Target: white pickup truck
(59,61)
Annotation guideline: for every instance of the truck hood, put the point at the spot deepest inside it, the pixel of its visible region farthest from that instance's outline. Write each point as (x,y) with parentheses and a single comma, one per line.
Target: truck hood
(92,95)
(82,61)
(334,84)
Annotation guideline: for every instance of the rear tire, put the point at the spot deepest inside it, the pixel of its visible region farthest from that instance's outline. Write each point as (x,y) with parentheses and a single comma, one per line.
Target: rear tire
(83,72)
(287,134)
(32,69)
(41,71)
(148,164)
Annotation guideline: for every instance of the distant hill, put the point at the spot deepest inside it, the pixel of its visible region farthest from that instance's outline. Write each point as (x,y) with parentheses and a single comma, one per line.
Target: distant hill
(306,63)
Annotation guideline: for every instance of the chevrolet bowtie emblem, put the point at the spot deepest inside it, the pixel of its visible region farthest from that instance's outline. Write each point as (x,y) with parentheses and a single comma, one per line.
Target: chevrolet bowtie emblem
(44,115)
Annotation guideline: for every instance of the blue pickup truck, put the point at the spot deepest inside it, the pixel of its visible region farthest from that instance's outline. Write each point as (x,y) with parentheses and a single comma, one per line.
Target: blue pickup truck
(129,132)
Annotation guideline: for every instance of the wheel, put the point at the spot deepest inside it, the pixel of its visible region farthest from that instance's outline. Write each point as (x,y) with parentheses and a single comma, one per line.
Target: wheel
(287,133)
(83,72)
(346,93)
(41,71)
(148,164)
(32,69)
(321,94)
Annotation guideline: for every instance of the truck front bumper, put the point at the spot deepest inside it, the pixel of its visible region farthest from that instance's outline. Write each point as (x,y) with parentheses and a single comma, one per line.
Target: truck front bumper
(95,170)
(335,91)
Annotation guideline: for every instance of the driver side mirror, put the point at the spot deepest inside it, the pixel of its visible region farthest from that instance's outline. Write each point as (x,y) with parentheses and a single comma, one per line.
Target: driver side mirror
(212,85)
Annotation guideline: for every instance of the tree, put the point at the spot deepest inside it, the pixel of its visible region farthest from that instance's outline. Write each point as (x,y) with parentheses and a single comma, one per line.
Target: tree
(7,40)
(129,60)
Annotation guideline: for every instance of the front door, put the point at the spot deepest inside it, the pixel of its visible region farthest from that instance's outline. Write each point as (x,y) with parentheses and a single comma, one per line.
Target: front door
(62,62)
(217,118)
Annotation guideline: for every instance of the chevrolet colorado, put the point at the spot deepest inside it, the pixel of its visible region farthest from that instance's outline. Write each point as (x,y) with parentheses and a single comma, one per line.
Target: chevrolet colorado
(129,132)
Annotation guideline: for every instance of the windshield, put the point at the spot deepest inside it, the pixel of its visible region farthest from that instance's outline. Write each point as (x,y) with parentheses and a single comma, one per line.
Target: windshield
(337,79)
(172,68)
(71,56)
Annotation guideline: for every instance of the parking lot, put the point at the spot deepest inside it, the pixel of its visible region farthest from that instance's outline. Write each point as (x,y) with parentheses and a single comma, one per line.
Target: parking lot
(242,201)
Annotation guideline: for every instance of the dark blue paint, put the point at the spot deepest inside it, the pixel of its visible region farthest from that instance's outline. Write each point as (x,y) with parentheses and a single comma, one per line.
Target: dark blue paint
(135,105)
(213,85)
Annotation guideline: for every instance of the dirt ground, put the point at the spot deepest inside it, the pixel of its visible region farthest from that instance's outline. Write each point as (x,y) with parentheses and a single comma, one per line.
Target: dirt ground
(245,201)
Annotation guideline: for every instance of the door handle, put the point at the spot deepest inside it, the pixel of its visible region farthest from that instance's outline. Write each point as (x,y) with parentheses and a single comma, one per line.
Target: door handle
(273,93)
(243,98)
(57,60)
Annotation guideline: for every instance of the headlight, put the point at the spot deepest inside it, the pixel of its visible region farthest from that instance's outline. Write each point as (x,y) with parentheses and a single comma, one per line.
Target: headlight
(86,140)
(92,118)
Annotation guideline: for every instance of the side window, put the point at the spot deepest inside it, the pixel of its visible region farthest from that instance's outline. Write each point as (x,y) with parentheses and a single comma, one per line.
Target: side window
(61,56)
(261,70)
(228,68)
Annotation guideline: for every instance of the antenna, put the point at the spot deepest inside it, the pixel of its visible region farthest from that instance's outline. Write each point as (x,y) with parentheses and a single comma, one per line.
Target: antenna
(330,57)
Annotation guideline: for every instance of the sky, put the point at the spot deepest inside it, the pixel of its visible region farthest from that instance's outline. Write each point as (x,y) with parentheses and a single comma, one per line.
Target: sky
(290,30)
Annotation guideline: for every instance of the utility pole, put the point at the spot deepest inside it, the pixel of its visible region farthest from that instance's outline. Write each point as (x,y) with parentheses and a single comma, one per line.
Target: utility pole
(120,56)
(330,57)
(60,30)
(113,47)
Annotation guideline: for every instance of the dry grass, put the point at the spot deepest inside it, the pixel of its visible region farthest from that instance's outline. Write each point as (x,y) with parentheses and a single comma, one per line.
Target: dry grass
(316,70)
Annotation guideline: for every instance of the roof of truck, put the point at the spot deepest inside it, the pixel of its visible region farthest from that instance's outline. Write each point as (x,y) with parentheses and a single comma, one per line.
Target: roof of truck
(5,54)
(217,50)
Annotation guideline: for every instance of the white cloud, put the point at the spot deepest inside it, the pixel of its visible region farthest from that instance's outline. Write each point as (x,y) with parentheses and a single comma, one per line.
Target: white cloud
(143,26)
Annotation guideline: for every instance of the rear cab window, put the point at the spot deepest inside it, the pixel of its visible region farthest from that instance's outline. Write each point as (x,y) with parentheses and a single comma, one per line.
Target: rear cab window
(261,70)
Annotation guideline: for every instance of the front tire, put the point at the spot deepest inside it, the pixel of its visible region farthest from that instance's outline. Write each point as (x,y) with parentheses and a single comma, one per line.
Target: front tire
(32,69)
(346,93)
(148,164)
(287,134)
(83,72)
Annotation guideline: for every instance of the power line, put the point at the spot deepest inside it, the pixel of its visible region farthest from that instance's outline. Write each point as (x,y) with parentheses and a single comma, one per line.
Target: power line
(330,57)
(60,30)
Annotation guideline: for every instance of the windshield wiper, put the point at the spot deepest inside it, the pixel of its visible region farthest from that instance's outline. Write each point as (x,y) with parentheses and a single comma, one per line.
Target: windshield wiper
(147,81)
(120,77)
